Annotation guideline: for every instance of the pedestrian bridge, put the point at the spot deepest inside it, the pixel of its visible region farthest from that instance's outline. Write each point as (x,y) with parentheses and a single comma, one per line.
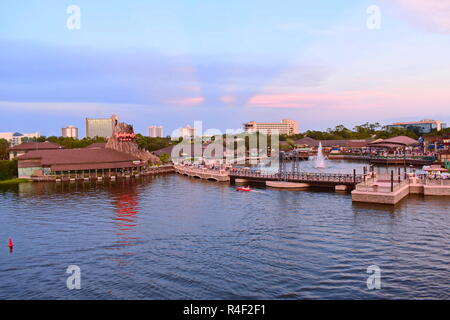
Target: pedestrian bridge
(203,173)
(312,179)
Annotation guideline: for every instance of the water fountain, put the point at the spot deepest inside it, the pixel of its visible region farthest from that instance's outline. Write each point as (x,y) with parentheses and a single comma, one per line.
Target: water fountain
(319,160)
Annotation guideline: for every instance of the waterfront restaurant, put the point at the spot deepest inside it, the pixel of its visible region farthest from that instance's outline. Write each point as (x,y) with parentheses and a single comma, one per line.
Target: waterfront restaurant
(50,165)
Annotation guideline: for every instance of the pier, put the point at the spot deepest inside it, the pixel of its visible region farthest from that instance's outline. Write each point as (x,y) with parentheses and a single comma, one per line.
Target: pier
(390,190)
(369,187)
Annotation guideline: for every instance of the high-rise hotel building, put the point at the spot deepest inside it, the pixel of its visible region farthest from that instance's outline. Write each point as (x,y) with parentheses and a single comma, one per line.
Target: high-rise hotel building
(155,131)
(70,132)
(187,132)
(284,127)
(100,127)
(422,126)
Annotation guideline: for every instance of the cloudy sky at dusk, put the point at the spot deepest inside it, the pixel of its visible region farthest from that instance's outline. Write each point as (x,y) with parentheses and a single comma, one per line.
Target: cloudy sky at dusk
(223,62)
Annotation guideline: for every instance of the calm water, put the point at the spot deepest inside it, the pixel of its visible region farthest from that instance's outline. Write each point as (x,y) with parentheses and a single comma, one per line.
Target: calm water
(172,237)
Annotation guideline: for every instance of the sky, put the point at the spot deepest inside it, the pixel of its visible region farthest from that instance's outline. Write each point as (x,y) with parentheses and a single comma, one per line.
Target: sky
(172,62)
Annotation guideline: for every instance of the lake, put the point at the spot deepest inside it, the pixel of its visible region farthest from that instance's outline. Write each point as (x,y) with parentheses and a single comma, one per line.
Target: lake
(173,237)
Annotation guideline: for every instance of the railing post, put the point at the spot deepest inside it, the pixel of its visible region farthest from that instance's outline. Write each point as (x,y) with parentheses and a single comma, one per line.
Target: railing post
(392,180)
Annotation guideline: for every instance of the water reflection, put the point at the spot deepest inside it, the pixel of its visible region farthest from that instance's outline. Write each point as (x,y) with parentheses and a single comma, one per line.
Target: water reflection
(126,208)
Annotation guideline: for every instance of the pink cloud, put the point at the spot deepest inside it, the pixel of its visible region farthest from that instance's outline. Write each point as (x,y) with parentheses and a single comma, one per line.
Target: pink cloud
(307,100)
(188,101)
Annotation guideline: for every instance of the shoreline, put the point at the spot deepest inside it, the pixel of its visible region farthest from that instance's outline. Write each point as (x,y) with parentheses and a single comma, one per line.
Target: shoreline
(14,181)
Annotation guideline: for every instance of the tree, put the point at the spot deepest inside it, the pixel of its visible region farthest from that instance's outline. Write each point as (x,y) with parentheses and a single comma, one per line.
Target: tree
(443,132)
(164,157)
(8,169)
(4,145)
(153,144)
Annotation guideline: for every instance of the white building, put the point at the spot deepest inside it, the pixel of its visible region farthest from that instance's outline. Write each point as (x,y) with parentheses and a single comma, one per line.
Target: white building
(286,126)
(422,126)
(155,131)
(187,131)
(15,138)
(101,127)
(69,132)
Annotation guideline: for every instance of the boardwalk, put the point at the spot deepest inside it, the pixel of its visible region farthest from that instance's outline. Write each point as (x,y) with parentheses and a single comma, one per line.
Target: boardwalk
(313,179)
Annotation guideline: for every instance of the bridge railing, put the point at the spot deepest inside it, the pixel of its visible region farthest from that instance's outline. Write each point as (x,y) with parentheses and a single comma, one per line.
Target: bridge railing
(301,176)
(380,187)
(201,170)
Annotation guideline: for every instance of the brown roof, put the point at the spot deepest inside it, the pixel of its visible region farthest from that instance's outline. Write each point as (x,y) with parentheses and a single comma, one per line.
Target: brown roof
(352,143)
(36,146)
(81,159)
(187,148)
(400,141)
(97,145)
(307,141)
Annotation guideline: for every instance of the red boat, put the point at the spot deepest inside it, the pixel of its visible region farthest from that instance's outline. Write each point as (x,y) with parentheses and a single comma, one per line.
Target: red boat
(244,189)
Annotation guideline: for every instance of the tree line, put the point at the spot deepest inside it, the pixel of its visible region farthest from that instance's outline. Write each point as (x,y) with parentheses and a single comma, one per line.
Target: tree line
(153,144)
(364,131)
(66,142)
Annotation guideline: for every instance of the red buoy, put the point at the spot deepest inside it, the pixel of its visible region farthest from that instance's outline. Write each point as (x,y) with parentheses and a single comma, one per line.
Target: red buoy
(10,244)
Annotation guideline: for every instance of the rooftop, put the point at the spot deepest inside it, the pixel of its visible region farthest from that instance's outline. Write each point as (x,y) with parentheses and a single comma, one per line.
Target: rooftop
(35,146)
(97,145)
(80,159)
(416,122)
(352,143)
(399,141)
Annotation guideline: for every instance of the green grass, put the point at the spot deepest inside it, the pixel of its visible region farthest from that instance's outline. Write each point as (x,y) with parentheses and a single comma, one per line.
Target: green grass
(13,181)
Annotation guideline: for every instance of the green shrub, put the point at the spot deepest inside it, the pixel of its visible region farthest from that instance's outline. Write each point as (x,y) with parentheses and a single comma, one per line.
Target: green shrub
(164,157)
(8,169)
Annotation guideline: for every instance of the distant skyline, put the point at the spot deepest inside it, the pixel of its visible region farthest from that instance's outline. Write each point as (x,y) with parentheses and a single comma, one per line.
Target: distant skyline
(224,63)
